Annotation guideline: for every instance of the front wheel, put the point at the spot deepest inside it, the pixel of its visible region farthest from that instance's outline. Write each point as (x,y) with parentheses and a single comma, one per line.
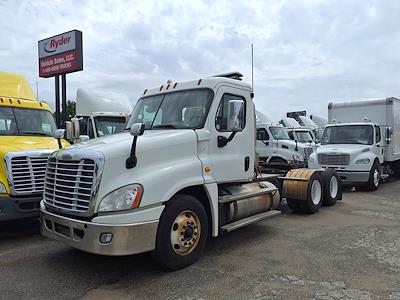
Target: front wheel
(182,233)
(374,177)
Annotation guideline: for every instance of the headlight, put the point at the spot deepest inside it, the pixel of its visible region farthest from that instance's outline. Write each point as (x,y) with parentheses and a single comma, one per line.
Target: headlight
(126,197)
(2,189)
(363,161)
(297,157)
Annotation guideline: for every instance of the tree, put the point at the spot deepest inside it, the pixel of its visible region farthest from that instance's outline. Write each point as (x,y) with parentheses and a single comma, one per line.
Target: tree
(71,110)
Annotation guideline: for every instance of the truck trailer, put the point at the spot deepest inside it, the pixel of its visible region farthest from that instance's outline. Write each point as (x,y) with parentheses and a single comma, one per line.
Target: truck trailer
(186,168)
(361,141)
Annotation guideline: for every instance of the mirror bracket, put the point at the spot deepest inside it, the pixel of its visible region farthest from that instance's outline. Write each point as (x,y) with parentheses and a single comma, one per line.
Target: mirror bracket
(223,141)
(136,131)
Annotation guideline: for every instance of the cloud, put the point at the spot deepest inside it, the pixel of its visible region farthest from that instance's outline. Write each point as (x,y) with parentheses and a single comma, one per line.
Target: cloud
(307,53)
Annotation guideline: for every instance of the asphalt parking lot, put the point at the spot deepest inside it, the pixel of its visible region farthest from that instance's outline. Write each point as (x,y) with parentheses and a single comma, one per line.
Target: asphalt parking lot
(349,251)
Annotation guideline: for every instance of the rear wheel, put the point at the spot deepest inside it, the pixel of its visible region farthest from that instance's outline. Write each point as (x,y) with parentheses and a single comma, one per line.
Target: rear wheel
(332,188)
(182,233)
(314,195)
(374,177)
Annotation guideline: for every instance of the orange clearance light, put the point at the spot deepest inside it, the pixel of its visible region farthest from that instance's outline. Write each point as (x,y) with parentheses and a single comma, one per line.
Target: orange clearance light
(161,87)
(198,82)
(145,91)
(207,169)
(175,84)
(167,86)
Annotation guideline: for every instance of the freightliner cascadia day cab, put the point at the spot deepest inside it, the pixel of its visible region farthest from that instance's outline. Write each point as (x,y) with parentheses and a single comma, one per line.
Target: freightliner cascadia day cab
(361,141)
(101,113)
(274,146)
(185,169)
(27,128)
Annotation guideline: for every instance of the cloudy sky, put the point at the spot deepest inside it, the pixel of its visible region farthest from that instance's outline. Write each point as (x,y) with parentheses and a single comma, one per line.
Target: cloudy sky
(307,53)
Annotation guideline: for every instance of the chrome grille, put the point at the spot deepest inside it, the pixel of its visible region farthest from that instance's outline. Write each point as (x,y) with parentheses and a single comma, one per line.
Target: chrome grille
(333,159)
(307,152)
(69,183)
(27,173)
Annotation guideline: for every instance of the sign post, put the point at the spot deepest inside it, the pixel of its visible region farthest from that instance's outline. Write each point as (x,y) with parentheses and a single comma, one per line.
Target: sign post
(59,55)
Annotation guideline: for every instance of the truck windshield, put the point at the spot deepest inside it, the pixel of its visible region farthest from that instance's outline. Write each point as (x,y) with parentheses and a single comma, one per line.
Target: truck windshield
(109,125)
(348,134)
(279,133)
(304,136)
(25,121)
(176,110)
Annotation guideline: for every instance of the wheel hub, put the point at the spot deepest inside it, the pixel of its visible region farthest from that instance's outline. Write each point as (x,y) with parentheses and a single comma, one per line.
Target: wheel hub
(185,232)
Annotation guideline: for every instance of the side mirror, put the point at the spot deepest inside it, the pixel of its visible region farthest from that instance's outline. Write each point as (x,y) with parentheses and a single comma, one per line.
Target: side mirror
(59,134)
(389,132)
(68,131)
(235,115)
(137,129)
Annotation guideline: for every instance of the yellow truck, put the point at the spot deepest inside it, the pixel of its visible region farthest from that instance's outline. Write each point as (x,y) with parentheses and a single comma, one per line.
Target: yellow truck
(27,138)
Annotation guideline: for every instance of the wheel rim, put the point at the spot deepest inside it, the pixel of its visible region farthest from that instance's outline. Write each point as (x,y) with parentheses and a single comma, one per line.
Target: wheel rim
(376,177)
(333,187)
(316,192)
(185,232)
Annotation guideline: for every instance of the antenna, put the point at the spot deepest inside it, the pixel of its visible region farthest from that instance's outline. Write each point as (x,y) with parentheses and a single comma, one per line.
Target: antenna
(252,68)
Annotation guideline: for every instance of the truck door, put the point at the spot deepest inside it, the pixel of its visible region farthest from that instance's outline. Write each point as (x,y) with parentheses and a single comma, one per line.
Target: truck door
(231,152)
(263,146)
(379,146)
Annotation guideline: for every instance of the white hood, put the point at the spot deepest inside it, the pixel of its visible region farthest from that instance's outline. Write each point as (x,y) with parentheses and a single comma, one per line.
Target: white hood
(342,149)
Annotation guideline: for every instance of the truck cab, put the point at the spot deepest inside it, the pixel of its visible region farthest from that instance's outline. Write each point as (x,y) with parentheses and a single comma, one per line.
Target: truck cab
(275,146)
(101,113)
(27,128)
(303,135)
(185,169)
(355,150)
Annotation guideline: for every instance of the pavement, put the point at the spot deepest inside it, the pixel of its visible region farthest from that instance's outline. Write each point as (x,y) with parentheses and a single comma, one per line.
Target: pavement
(348,251)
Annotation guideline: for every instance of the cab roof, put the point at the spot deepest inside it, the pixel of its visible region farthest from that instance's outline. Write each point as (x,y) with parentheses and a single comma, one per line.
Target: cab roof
(233,78)
(15,86)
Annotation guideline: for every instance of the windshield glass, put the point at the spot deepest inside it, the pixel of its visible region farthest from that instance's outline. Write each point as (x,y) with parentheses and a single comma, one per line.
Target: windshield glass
(304,136)
(109,125)
(348,134)
(24,121)
(177,110)
(279,133)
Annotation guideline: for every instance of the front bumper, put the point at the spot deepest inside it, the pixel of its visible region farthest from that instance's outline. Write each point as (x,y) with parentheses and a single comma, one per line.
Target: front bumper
(19,208)
(353,177)
(127,239)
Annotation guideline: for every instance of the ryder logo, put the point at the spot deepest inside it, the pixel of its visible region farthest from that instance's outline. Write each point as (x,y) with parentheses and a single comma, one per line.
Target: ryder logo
(52,45)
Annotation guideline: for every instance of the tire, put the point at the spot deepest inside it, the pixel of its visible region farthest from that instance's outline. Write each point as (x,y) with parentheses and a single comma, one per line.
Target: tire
(374,177)
(332,188)
(294,205)
(182,233)
(314,195)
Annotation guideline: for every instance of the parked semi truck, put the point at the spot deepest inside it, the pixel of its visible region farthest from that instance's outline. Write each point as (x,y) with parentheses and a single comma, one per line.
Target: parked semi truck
(27,128)
(100,113)
(185,169)
(361,141)
(275,146)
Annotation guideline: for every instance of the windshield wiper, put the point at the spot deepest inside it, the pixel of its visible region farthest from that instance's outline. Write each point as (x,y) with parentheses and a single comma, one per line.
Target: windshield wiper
(34,133)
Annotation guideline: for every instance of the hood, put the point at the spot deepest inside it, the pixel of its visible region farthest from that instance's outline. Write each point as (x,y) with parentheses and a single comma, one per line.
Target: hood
(343,148)
(292,144)
(156,143)
(23,143)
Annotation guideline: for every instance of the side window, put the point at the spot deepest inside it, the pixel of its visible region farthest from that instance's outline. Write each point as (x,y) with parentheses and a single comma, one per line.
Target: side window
(377,134)
(262,134)
(231,113)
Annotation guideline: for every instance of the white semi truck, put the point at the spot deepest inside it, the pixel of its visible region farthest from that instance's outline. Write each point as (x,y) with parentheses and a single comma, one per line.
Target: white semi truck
(275,146)
(185,169)
(361,141)
(100,113)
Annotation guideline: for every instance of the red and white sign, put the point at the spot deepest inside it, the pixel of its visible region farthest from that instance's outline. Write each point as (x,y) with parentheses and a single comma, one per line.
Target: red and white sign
(60,54)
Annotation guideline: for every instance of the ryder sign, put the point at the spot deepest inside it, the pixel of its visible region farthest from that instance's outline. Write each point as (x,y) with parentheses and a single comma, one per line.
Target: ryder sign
(61,54)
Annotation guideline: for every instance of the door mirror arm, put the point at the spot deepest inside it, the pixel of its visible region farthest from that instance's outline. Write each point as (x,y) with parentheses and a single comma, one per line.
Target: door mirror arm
(223,141)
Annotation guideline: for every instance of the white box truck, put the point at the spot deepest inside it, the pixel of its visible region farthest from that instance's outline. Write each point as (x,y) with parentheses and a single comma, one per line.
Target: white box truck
(361,141)
(185,169)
